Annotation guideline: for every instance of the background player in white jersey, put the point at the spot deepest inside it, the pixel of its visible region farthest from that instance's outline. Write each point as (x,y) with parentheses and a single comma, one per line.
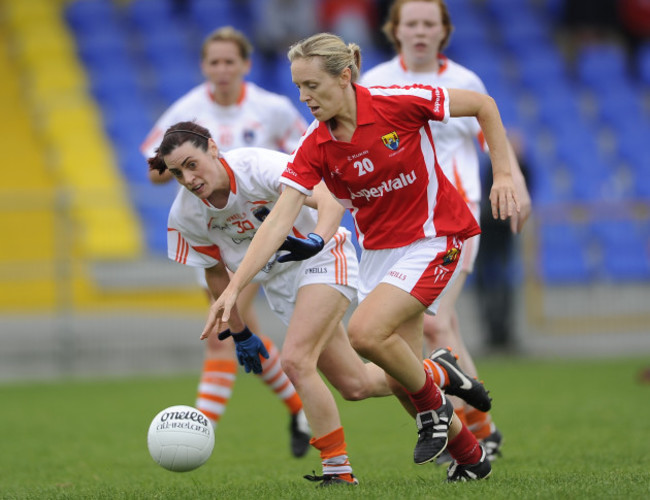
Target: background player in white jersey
(374,150)
(419,31)
(238,113)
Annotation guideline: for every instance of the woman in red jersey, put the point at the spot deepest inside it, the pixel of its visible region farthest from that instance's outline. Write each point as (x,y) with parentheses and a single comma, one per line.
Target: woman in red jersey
(374,150)
(420,31)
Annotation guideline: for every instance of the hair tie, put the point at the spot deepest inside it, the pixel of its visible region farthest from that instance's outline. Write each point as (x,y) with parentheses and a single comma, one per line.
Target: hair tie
(186,131)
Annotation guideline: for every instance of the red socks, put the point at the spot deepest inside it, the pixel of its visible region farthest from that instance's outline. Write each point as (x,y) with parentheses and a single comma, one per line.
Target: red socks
(427,398)
(464,448)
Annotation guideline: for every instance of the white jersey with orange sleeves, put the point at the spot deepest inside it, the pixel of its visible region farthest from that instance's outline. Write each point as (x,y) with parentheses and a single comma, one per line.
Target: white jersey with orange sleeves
(259,119)
(456,140)
(201,235)
(387,175)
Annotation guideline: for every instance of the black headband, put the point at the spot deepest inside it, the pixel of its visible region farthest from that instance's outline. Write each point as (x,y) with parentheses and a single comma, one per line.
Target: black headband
(186,131)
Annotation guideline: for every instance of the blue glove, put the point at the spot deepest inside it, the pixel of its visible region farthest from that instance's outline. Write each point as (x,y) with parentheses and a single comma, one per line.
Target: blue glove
(301,248)
(249,349)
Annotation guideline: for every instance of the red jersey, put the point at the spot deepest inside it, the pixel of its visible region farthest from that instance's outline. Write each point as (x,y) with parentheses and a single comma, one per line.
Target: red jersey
(388,176)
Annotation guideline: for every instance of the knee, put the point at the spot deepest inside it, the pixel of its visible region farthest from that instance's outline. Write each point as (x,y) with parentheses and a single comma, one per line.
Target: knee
(361,340)
(437,328)
(298,367)
(353,390)
(292,367)
(351,394)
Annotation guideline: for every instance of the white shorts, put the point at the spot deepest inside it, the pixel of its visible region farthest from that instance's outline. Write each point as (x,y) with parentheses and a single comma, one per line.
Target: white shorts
(335,265)
(423,269)
(471,245)
(200,277)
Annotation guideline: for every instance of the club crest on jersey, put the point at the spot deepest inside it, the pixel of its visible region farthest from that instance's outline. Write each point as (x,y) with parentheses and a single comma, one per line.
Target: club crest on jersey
(260,213)
(249,136)
(391,141)
(451,255)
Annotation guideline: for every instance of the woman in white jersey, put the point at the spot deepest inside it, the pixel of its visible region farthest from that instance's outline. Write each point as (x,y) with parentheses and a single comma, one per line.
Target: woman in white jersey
(238,114)
(211,223)
(374,150)
(420,30)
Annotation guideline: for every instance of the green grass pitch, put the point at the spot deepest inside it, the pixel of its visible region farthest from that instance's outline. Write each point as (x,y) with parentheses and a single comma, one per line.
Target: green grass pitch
(573,429)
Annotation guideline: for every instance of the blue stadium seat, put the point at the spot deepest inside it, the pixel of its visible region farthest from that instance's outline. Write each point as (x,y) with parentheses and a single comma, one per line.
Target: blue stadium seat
(588,169)
(370,57)
(177,81)
(632,140)
(621,105)
(575,138)
(487,63)
(553,9)
(133,165)
(557,104)
(155,229)
(87,17)
(523,33)
(209,15)
(541,184)
(543,192)
(471,31)
(173,46)
(270,72)
(105,49)
(643,63)
(600,64)
(477,55)
(508,11)
(507,98)
(153,203)
(612,230)
(558,89)
(150,16)
(625,250)
(642,185)
(563,255)
(459,9)
(128,126)
(543,71)
(592,180)
(622,263)
(114,86)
